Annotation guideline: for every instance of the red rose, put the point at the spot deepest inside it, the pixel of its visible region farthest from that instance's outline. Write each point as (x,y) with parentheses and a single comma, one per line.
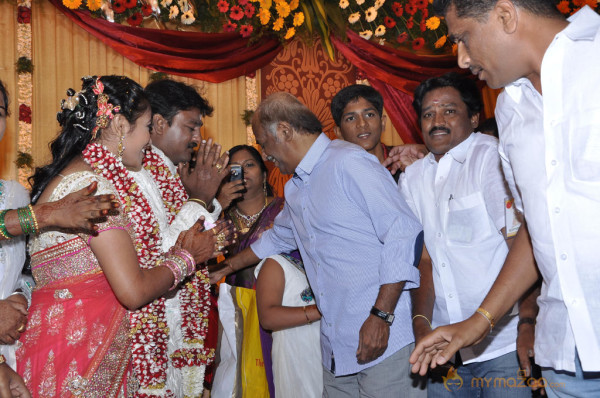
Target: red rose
(135,20)
(118,6)
(130,3)
(418,43)
(236,13)
(146,10)
(246,30)
(24,14)
(229,27)
(410,9)
(223,6)
(402,37)
(24,113)
(398,9)
(389,22)
(249,10)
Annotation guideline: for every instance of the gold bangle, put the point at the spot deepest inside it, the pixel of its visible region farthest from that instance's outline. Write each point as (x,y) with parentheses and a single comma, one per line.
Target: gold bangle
(35,223)
(487,316)
(200,201)
(308,321)
(424,317)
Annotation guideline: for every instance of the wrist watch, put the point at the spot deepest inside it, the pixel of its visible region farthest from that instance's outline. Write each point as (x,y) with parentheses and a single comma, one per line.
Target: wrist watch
(386,316)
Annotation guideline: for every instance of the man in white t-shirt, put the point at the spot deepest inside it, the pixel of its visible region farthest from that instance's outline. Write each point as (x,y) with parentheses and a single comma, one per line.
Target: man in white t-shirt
(458,193)
(550,148)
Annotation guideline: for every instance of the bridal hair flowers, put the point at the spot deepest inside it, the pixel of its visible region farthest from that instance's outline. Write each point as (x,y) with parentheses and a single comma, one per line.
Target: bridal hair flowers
(106,111)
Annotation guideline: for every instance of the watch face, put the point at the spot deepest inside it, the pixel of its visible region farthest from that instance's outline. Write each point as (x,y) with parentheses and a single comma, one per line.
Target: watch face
(390,318)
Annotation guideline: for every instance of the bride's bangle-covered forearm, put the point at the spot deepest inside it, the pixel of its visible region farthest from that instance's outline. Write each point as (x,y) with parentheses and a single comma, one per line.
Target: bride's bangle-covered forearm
(181,263)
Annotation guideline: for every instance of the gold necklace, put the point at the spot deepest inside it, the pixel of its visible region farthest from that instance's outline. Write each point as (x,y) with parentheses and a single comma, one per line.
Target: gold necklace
(245,222)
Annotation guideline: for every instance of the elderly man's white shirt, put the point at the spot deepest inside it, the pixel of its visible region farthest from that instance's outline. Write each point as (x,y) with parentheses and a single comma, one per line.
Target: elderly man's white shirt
(460,202)
(550,148)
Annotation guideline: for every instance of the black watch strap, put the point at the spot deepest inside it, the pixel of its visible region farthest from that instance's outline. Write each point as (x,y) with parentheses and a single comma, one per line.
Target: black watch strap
(386,316)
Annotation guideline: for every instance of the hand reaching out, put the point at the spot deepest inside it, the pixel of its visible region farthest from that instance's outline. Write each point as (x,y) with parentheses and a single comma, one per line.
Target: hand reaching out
(204,245)
(402,156)
(78,210)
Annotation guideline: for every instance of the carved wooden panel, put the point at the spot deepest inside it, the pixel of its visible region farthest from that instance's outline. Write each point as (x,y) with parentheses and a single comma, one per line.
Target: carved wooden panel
(307,72)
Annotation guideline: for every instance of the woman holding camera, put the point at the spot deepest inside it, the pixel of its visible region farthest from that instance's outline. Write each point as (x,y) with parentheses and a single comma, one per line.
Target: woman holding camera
(250,205)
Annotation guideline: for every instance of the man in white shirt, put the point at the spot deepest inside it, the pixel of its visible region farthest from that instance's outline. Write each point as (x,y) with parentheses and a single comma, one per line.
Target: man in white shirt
(550,150)
(458,193)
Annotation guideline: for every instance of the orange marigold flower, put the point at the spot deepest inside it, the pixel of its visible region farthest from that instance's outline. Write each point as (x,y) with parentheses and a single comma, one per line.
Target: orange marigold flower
(579,3)
(278,24)
(298,18)
(264,15)
(72,4)
(290,33)
(563,7)
(440,42)
(294,4)
(433,23)
(94,5)
(283,9)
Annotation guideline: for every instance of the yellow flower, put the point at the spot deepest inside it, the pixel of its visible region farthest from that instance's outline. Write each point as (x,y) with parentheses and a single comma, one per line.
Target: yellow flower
(264,16)
(283,9)
(433,23)
(278,24)
(290,33)
(440,42)
(366,34)
(72,4)
(298,18)
(294,4)
(94,5)
(353,18)
(380,31)
(370,14)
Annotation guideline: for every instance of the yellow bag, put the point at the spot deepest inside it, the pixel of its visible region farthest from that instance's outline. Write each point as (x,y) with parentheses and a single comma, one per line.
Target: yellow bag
(240,372)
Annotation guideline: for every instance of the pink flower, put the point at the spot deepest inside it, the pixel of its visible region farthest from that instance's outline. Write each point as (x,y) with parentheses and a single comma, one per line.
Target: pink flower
(418,43)
(229,27)
(249,10)
(402,37)
(135,19)
(236,13)
(223,6)
(246,30)
(389,22)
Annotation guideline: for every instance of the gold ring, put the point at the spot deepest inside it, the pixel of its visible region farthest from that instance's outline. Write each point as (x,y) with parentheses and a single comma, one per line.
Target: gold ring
(219,248)
(21,329)
(218,167)
(221,237)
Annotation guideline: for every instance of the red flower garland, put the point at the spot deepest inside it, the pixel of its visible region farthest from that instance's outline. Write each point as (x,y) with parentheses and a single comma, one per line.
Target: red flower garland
(148,325)
(195,295)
